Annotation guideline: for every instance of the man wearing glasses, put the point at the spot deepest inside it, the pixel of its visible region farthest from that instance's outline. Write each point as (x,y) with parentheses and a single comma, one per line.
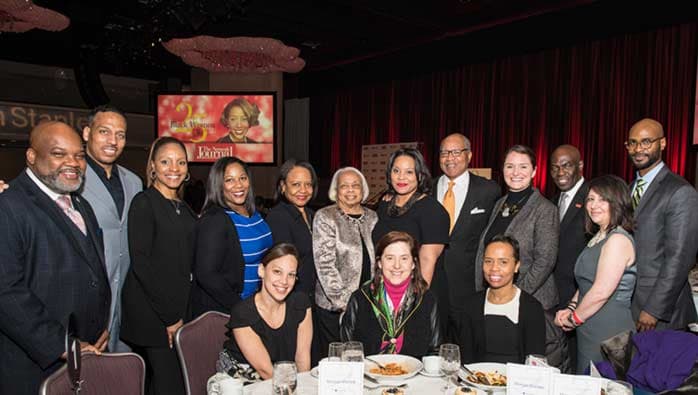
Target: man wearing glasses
(468,199)
(666,234)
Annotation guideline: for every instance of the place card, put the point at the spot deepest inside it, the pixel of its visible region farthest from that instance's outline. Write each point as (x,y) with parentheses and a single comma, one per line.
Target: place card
(567,384)
(341,378)
(528,380)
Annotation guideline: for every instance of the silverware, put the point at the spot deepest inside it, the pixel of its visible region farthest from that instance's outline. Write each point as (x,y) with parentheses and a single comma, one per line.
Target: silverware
(380,365)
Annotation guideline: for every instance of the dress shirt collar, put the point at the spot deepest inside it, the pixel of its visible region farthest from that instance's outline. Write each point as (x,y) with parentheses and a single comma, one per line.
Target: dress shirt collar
(572,192)
(649,177)
(461,180)
(51,194)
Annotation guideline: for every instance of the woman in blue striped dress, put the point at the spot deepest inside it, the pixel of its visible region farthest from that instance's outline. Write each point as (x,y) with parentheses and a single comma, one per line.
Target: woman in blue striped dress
(231,238)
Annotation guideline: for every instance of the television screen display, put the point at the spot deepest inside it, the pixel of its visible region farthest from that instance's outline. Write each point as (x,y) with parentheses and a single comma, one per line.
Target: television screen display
(216,124)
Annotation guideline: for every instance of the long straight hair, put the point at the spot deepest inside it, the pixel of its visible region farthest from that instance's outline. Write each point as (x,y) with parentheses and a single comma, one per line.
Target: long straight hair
(214,185)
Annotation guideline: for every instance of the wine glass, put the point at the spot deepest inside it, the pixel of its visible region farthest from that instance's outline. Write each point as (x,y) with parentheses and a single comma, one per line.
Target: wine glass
(353,352)
(334,352)
(283,380)
(450,363)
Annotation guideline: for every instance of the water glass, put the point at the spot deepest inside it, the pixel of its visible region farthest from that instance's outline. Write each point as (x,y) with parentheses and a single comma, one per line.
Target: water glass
(353,352)
(283,379)
(334,353)
(450,363)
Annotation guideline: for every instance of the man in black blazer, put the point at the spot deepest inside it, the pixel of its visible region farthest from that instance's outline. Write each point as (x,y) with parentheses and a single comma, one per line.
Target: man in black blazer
(666,233)
(566,168)
(51,262)
(473,199)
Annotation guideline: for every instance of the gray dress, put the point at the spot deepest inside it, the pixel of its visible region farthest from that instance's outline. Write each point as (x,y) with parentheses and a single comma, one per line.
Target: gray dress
(614,316)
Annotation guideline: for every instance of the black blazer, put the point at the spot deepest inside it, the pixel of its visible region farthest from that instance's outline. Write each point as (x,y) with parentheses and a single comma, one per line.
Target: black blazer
(156,290)
(459,255)
(219,267)
(471,328)
(422,335)
(48,270)
(573,239)
(287,225)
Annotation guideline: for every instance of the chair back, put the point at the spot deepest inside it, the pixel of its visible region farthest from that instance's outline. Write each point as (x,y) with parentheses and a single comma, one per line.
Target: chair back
(106,374)
(198,344)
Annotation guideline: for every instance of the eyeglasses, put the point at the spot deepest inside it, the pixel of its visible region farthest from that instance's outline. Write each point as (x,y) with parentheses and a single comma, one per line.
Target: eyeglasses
(644,143)
(453,152)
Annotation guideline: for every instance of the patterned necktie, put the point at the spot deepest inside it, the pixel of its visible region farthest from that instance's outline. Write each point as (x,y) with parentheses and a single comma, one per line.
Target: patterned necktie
(637,193)
(450,204)
(562,204)
(63,202)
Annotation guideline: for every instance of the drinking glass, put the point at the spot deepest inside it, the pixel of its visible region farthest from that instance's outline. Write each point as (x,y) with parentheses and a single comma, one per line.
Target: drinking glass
(334,353)
(450,363)
(353,352)
(619,387)
(283,379)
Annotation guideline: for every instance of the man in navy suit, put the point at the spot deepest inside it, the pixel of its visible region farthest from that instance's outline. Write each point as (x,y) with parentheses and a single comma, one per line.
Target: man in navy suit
(473,198)
(566,168)
(51,262)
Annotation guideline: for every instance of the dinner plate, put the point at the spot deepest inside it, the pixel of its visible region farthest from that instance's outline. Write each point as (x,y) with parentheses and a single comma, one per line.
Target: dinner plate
(410,364)
(485,367)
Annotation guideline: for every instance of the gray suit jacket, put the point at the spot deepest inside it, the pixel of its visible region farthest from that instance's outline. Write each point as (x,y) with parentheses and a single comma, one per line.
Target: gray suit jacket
(666,239)
(536,228)
(114,230)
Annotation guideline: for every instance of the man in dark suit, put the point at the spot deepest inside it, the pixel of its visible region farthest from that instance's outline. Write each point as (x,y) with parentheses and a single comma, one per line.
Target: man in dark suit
(666,234)
(566,168)
(469,200)
(109,188)
(51,262)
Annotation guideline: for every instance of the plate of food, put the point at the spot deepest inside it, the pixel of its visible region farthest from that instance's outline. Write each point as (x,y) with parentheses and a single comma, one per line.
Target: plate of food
(396,367)
(487,376)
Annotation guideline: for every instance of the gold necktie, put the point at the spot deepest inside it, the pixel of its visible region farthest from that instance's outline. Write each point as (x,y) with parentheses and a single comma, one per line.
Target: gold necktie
(450,204)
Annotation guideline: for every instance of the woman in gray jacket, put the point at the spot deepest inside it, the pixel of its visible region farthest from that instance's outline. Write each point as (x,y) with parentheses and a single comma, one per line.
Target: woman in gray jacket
(343,251)
(526,215)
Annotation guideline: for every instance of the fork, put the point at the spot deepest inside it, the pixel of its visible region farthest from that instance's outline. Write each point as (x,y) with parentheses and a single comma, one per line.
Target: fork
(380,365)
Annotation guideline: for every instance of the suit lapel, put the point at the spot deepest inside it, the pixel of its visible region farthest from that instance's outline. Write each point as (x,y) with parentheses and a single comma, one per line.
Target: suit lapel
(654,187)
(471,198)
(51,209)
(130,190)
(575,208)
(93,234)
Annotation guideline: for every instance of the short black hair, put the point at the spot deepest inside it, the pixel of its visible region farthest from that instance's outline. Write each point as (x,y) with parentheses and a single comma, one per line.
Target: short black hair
(283,174)
(103,108)
(502,238)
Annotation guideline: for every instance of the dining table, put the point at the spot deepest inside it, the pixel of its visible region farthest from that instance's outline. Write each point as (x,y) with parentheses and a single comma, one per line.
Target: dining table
(307,384)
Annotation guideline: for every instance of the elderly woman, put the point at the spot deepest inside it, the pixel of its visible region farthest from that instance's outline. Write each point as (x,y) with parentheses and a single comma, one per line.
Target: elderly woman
(395,313)
(343,251)
(161,242)
(604,271)
(274,325)
(524,214)
(238,117)
(231,239)
(503,323)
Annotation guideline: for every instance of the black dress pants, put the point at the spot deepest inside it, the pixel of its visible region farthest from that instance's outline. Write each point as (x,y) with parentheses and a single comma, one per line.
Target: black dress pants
(163,373)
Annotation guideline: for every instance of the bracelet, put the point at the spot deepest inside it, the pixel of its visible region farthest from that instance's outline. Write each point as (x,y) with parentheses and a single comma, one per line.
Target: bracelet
(576,318)
(571,320)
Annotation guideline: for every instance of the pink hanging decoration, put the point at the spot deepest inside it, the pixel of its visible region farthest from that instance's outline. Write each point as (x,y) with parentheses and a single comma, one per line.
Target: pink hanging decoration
(19,16)
(236,54)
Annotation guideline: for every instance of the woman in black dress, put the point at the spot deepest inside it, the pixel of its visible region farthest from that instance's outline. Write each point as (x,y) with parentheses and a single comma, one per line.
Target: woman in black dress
(156,290)
(502,323)
(275,324)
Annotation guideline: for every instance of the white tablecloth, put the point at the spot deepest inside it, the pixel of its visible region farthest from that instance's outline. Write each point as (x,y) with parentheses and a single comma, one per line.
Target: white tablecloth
(307,385)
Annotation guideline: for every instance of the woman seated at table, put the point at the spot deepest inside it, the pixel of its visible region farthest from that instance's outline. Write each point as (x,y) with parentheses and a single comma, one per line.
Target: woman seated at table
(275,324)
(395,313)
(502,323)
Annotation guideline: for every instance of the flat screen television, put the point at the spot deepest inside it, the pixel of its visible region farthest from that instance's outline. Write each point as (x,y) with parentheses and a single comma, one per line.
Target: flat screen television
(216,124)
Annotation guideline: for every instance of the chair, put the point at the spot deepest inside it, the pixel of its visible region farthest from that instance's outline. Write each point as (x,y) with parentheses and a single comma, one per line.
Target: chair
(198,344)
(106,374)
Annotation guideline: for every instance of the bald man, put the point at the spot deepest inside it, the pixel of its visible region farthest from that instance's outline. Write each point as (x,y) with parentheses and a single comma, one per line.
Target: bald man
(666,233)
(51,262)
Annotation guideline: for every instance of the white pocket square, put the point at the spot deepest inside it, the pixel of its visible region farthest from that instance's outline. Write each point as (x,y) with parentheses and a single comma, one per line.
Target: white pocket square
(477,211)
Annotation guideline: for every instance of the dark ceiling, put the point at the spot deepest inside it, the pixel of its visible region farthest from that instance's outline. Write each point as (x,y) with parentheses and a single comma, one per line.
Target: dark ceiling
(123,37)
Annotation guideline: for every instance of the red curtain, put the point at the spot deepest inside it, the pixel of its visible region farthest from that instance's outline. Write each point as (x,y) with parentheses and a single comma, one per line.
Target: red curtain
(587,95)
